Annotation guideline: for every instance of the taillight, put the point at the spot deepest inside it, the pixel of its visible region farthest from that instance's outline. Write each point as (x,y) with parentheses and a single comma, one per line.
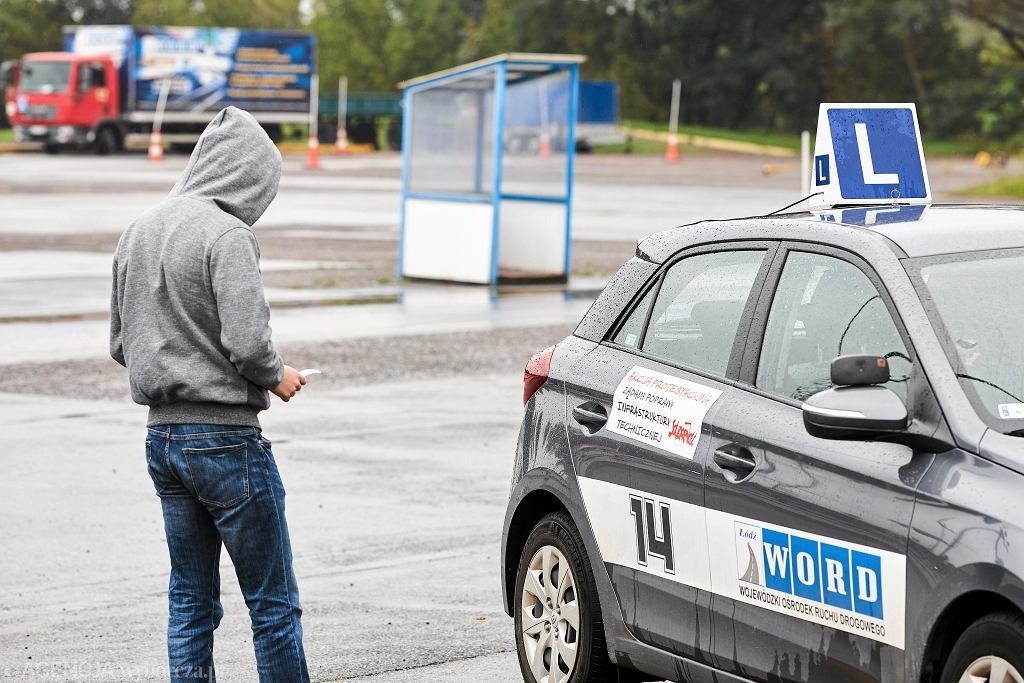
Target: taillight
(537,373)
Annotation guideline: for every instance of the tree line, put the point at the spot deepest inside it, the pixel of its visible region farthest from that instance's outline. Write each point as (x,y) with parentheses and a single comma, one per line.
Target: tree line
(744,64)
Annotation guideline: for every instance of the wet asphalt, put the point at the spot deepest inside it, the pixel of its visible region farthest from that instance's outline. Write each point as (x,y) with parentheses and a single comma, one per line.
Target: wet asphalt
(396,494)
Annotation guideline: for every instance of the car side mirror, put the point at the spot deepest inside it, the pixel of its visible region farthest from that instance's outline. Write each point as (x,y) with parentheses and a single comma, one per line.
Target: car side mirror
(859,408)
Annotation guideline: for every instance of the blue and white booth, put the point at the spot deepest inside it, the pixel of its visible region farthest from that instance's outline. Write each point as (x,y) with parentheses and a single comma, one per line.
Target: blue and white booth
(866,155)
(487,165)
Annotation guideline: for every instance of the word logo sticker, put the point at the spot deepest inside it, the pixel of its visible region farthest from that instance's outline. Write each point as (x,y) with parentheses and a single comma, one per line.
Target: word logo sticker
(817,579)
(661,410)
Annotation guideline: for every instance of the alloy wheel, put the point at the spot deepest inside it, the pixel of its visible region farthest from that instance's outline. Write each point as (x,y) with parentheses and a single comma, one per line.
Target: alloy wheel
(551,617)
(991,669)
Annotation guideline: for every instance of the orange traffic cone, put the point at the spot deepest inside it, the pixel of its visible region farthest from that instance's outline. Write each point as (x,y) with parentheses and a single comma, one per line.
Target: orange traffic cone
(156,146)
(672,151)
(545,145)
(313,157)
(341,142)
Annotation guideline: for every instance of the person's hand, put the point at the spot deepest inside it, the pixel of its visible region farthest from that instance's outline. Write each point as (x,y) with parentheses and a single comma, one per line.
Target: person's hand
(290,384)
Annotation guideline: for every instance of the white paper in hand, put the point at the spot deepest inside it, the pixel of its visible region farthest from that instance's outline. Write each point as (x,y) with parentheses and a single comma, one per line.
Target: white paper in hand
(310,371)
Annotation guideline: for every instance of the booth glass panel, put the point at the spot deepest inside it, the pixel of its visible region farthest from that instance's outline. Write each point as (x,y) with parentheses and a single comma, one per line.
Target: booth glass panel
(452,131)
(536,134)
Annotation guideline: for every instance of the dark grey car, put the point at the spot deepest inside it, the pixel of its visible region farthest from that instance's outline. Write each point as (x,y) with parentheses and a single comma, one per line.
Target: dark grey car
(702,492)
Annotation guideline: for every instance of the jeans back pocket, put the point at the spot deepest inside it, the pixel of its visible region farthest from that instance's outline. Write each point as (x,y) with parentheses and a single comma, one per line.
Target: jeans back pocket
(220,475)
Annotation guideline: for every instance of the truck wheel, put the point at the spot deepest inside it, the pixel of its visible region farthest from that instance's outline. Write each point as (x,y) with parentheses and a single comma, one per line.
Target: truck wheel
(991,650)
(106,141)
(559,631)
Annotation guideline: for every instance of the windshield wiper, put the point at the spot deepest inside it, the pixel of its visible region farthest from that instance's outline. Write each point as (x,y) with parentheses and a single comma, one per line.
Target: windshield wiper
(1016,432)
(991,384)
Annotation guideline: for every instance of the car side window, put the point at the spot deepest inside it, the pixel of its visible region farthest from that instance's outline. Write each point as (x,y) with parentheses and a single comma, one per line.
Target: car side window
(699,307)
(630,332)
(825,307)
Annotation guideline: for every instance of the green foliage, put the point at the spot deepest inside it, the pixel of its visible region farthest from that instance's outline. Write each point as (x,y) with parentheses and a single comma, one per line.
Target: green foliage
(278,14)
(909,51)
(30,26)
(1011,186)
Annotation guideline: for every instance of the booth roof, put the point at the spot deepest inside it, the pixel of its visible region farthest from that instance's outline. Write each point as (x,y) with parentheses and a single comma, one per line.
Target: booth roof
(526,62)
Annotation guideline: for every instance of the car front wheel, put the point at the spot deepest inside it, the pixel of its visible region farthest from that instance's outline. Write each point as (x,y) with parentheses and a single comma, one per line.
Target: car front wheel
(991,650)
(559,631)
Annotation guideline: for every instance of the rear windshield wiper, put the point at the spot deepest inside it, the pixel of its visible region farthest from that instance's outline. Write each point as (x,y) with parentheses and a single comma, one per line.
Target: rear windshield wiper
(991,384)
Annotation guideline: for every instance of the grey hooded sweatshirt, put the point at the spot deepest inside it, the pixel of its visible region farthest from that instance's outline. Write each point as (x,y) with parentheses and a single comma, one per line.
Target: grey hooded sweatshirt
(188,316)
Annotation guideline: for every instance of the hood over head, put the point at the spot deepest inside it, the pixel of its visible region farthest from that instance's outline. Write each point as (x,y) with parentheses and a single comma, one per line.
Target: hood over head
(235,165)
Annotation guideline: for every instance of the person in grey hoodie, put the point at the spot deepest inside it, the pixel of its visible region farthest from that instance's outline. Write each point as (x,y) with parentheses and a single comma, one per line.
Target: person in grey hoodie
(189,320)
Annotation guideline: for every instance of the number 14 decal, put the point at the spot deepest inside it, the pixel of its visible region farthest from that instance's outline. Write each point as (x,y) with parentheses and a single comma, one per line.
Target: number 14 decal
(653,539)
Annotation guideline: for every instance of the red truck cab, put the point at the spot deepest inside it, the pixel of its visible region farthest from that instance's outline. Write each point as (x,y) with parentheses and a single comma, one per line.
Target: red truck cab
(64,99)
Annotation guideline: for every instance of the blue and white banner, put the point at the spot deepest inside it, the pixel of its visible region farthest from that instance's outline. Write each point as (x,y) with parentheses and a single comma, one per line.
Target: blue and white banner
(204,69)
(210,68)
(868,154)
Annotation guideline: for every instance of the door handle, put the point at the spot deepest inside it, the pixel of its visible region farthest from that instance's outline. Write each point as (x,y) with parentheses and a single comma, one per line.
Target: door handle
(736,461)
(591,415)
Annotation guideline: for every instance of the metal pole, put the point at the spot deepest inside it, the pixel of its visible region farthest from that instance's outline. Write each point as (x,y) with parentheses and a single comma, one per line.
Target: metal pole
(570,164)
(342,100)
(805,163)
(314,106)
(500,89)
(545,136)
(156,142)
(677,87)
(161,104)
(313,155)
(672,149)
(341,141)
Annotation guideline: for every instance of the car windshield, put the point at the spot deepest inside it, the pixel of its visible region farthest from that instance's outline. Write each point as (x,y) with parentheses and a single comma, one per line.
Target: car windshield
(45,77)
(975,302)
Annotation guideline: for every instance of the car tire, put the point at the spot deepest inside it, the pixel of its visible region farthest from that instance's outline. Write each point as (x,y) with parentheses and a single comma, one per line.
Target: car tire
(991,645)
(555,540)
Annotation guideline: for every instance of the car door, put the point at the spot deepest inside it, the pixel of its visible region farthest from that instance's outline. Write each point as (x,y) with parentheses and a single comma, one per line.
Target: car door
(808,536)
(638,410)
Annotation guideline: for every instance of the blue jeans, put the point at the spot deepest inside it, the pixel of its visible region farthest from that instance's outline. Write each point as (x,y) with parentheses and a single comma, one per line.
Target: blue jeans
(220,484)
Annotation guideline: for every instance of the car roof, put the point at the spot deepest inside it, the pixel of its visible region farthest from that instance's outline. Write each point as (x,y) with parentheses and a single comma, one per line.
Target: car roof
(916,230)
